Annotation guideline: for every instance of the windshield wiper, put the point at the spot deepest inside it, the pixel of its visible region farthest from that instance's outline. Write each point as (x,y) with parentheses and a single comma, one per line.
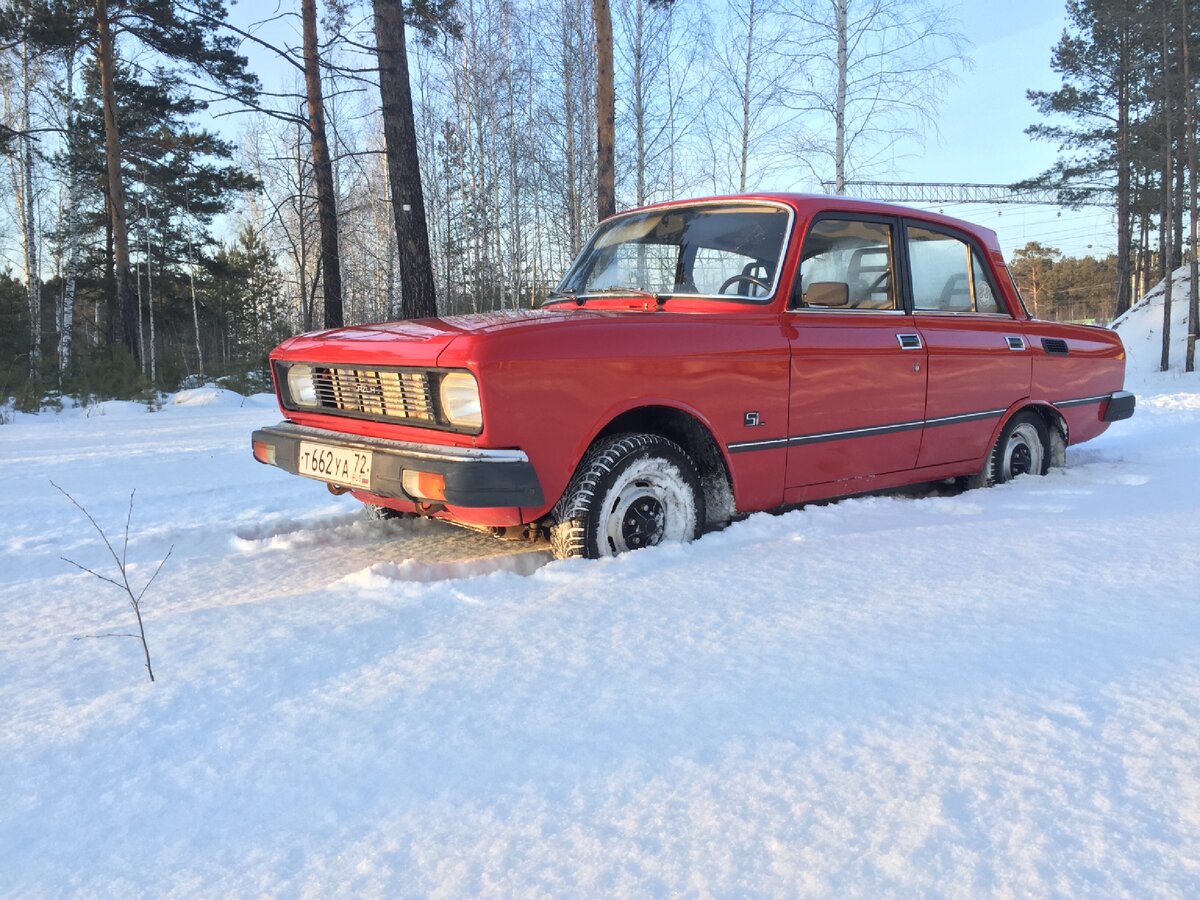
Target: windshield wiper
(568,294)
(572,294)
(659,299)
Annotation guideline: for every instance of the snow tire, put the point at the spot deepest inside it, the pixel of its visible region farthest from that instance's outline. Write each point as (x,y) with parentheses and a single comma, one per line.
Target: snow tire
(630,491)
(1023,448)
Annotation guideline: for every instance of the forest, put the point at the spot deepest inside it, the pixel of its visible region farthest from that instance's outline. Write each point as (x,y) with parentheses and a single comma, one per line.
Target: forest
(185,184)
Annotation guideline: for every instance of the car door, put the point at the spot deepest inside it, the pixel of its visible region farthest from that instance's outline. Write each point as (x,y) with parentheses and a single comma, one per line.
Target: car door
(979,361)
(857,387)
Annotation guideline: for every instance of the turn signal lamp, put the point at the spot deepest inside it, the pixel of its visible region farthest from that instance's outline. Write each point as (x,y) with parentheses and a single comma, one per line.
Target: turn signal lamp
(424,485)
(264,452)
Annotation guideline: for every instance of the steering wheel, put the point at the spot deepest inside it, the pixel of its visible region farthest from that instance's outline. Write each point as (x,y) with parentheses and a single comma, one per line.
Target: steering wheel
(734,279)
(879,284)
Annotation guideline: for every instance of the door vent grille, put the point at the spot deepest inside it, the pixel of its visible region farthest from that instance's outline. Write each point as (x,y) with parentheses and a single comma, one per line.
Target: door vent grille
(1055,346)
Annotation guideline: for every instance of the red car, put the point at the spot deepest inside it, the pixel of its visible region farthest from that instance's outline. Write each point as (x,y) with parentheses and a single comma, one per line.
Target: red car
(702,360)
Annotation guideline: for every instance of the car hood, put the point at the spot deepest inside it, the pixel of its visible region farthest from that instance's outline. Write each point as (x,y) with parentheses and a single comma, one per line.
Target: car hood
(413,342)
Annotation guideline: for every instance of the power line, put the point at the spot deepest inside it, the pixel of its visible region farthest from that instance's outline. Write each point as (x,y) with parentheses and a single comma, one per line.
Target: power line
(950,192)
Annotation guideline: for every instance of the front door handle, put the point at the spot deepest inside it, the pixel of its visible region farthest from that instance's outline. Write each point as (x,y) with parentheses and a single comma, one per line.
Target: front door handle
(909,341)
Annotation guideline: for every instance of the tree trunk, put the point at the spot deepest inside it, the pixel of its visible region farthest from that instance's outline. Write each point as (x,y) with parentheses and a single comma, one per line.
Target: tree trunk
(639,99)
(1189,100)
(141,319)
(606,111)
(128,318)
(187,209)
(1124,213)
(28,212)
(1143,287)
(66,315)
(745,91)
(1164,224)
(331,268)
(307,311)
(418,298)
(572,161)
(839,113)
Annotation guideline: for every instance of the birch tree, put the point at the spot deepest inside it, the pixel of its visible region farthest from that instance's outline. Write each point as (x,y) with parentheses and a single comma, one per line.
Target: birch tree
(873,72)
(749,134)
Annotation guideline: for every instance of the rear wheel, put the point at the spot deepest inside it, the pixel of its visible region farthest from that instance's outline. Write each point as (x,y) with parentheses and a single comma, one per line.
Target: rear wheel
(1023,448)
(630,491)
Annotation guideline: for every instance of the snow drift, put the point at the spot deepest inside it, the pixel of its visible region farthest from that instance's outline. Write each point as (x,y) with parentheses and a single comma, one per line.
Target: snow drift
(1141,326)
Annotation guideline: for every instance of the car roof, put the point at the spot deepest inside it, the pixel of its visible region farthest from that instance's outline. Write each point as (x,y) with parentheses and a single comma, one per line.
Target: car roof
(808,205)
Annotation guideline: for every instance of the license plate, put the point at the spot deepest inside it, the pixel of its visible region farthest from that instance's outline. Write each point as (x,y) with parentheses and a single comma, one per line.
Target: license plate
(338,465)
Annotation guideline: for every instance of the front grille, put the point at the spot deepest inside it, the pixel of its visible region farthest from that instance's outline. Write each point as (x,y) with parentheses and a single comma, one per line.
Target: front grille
(402,395)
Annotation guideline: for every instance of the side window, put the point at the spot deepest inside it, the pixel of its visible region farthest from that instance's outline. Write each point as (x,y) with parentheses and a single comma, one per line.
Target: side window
(985,297)
(847,264)
(947,275)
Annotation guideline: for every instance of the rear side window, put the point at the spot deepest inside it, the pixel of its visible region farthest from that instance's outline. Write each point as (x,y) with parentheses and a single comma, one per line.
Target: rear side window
(947,274)
(847,264)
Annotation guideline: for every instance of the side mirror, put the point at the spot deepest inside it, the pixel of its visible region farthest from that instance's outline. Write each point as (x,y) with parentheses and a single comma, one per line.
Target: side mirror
(827,293)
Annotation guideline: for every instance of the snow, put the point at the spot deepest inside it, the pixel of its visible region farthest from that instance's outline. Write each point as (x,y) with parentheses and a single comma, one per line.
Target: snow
(1141,325)
(989,693)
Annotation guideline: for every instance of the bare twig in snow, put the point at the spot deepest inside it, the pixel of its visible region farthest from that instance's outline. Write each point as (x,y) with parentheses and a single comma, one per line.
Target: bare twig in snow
(135,598)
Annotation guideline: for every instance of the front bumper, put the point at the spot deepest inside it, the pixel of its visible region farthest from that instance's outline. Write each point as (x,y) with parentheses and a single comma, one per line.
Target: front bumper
(475,478)
(1120,406)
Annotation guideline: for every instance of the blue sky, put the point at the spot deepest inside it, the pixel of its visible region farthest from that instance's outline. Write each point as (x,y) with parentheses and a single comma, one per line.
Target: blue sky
(982,124)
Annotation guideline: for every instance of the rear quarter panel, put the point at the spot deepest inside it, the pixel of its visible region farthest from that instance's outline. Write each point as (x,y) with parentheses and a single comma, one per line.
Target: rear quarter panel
(1093,366)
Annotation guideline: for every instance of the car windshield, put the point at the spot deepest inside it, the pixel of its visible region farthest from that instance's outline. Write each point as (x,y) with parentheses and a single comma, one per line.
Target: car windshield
(718,251)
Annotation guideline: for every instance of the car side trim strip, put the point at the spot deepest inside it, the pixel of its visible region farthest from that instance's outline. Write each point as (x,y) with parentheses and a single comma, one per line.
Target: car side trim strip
(800,440)
(1082,401)
(744,446)
(874,430)
(964,417)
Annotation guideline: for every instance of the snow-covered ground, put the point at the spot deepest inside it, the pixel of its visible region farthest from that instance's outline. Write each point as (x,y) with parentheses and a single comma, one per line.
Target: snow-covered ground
(1141,326)
(994,693)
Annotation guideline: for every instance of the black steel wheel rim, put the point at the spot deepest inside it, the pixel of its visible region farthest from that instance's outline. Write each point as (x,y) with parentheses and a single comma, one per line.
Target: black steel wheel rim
(642,524)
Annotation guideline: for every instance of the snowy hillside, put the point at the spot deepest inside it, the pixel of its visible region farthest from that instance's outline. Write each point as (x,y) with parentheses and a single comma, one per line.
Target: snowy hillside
(1141,326)
(994,693)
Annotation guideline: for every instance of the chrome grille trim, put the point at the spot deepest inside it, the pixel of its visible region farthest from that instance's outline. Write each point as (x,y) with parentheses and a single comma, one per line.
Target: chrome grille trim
(402,395)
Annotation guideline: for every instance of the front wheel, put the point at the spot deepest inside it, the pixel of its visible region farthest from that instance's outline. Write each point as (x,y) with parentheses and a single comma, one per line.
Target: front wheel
(630,491)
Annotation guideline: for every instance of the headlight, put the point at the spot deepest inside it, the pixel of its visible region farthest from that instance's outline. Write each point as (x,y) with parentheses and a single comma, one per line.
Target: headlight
(301,389)
(460,400)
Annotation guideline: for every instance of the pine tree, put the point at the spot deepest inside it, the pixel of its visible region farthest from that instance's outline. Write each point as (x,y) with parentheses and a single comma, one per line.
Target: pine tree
(189,39)
(180,178)
(1114,142)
